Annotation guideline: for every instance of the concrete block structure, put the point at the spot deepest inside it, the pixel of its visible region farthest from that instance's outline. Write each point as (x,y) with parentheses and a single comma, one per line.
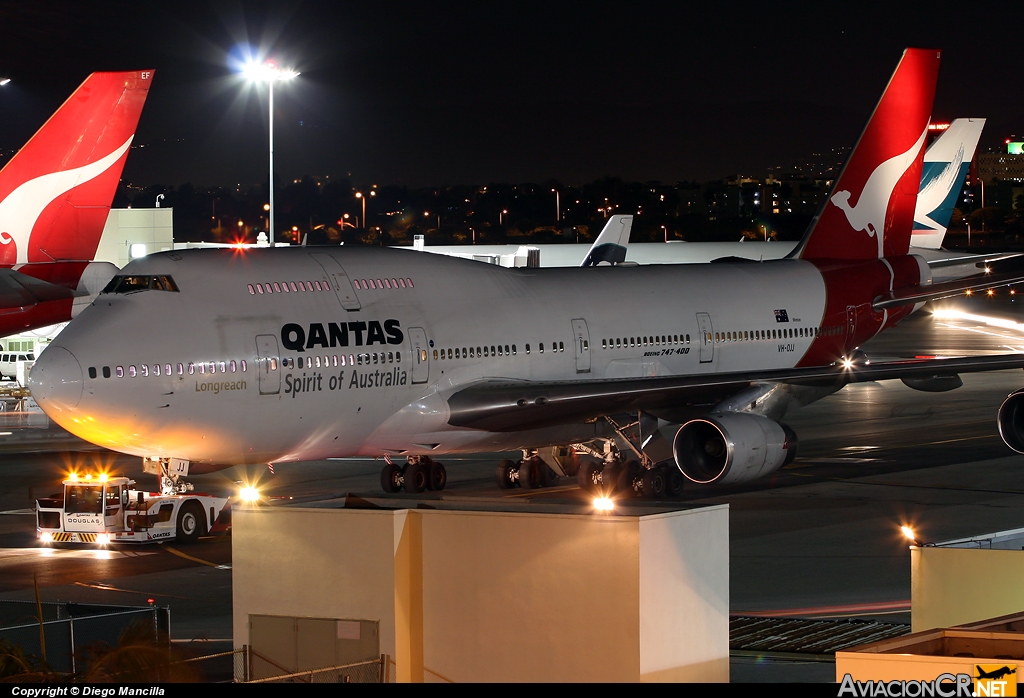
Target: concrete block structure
(491,596)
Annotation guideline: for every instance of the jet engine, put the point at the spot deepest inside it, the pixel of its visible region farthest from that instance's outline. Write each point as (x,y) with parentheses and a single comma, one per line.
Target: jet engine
(733,447)
(1011,421)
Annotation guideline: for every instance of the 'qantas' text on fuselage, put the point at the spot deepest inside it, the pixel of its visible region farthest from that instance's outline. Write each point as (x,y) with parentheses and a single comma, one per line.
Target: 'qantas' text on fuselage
(336,334)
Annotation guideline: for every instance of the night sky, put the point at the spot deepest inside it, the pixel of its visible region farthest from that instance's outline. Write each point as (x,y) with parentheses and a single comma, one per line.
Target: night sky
(458,93)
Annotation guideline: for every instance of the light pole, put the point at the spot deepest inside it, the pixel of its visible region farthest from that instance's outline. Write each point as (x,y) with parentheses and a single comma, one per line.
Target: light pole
(558,206)
(501,216)
(269,73)
(359,195)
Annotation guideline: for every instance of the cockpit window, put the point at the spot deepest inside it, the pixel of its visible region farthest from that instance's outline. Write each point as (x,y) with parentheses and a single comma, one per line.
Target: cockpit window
(123,283)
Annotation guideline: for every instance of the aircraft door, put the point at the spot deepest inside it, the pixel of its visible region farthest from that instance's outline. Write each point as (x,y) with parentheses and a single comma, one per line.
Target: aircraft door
(339,280)
(268,363)
(582,335)
(420,355)
(707,340)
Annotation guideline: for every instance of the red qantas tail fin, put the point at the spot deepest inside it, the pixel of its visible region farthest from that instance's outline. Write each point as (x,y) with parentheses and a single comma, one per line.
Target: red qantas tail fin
(870,212)
(55,193)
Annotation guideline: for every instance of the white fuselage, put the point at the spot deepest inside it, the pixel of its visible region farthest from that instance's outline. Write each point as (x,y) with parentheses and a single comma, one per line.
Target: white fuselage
(376,381)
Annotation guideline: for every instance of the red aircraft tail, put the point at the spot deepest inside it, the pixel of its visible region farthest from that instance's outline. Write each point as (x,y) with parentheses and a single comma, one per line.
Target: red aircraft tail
(56,192)
(870,211)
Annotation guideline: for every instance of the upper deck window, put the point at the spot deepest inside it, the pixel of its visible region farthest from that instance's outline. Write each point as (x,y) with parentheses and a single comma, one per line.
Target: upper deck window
(125,283)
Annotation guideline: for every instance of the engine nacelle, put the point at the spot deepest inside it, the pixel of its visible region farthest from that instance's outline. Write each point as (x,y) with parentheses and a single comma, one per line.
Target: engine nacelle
(1011,421)
(732,447)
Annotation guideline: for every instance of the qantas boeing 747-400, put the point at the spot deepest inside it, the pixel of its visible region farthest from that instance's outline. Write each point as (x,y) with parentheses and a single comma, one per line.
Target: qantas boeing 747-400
(227,357)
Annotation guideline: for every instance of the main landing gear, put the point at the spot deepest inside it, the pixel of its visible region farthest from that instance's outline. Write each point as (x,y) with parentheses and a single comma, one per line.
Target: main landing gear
(618,478)
(530,473)
(419,474)
(604,470)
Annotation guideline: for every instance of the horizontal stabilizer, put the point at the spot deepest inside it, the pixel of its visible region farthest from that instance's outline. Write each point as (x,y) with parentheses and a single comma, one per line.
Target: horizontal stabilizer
(19,291)
(921,294)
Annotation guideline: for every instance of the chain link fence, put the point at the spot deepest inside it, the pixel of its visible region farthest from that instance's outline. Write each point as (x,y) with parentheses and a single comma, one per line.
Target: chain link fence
(371,671)
(222,667)
(67,628)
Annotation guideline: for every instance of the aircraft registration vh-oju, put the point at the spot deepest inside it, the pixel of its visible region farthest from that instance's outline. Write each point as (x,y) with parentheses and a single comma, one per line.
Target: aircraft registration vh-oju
(226,357)
(55,195)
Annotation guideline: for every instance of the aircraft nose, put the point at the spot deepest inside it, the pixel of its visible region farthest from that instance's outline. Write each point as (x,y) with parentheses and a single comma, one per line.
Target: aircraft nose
(56,380)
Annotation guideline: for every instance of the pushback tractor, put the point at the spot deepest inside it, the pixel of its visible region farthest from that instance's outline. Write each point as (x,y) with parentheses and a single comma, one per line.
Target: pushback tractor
(101,510)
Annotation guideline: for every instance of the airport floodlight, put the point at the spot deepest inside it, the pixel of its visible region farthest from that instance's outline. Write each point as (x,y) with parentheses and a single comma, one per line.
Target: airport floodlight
(268,72)
(604,504)
(912,537)
(4,81)
(249,494)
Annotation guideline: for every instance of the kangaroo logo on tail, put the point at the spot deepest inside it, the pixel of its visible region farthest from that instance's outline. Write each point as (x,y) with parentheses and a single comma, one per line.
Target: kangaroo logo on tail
(8,250)
(868,214)
(22,207)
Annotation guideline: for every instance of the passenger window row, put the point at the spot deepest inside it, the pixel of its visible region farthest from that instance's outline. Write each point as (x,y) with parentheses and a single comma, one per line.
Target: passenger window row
(476,352)
(381,283)
(757,335)
(555,346)
(647,341)
(331,360)
(493,350)
(144,370)
(287,287)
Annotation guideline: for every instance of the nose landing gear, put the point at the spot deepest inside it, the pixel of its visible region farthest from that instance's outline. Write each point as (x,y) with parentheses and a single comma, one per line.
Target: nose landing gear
(420,473)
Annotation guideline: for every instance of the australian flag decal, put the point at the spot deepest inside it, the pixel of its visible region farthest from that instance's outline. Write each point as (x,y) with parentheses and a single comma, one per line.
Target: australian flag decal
(781,316)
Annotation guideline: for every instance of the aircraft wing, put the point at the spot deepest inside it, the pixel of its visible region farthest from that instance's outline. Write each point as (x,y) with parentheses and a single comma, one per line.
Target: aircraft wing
(494,405)
(977,259)
(19,291)
(920,294)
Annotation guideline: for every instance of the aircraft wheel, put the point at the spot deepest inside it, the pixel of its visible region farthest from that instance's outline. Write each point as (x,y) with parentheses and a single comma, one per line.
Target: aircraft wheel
(589,476)
(438,476)
(529,474)
(653,483)
(191,522)
(674,481)
(630,473)
(610,477)
(504,473)
(391,478)
(547,476)
(415,478)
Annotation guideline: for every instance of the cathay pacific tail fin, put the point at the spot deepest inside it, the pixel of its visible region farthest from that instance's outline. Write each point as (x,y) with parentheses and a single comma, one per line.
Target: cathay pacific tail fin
(611,244)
